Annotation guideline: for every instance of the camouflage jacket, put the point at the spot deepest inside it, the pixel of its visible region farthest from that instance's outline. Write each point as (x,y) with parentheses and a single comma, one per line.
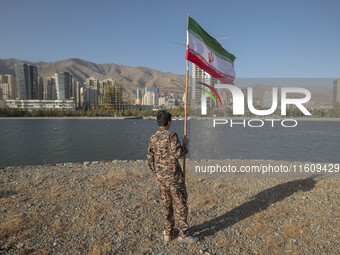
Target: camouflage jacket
(163,153)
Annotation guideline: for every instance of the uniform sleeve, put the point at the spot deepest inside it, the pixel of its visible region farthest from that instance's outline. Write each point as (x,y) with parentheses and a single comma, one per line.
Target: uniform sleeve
(176,149)
(151,158)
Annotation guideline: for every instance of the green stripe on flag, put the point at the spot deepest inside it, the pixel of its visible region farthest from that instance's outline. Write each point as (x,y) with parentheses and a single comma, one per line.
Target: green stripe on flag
(209,41)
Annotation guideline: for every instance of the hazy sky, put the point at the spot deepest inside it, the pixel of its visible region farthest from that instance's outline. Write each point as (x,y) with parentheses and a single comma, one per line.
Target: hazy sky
(272,38)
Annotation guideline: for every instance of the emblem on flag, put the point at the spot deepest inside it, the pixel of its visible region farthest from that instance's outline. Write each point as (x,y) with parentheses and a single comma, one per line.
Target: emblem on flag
(211,57)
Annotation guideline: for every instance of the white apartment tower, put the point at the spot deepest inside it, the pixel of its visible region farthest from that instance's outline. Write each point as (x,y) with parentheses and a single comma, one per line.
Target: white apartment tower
(199,75)
(336,91)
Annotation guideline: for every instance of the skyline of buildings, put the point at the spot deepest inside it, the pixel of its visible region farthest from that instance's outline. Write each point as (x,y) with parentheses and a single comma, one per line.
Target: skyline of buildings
(26,84)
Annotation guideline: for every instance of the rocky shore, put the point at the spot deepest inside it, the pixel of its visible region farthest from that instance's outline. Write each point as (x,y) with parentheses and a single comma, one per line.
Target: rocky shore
(114,208)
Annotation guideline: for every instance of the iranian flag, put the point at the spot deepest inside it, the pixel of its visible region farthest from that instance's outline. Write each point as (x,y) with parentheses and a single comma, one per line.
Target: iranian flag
(204,51)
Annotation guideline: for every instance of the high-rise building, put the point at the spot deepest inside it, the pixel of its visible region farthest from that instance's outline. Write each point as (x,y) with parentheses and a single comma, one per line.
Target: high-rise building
(112,97)
(138,94)
(82,96)
(91,96)
(8,86)
(63,81)
(102,83)
(26,80)
(76,92)
(167,100)
(40,89)
(51,89)
(336,91)
(199,75)
(151,96)
(138,99)
(92,86)
(92,82)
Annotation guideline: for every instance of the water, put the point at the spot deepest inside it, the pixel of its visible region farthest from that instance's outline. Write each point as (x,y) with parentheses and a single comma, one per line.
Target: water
(32,142)
(310,141)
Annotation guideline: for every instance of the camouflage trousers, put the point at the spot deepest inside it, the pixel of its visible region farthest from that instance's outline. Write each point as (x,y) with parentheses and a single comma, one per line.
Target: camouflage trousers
(174,196)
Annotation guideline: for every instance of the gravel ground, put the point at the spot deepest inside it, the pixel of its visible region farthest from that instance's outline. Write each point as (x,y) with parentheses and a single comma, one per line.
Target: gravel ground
(114,208)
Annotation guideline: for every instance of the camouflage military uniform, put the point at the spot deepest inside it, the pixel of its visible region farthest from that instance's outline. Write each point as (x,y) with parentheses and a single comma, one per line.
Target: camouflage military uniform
(163,153)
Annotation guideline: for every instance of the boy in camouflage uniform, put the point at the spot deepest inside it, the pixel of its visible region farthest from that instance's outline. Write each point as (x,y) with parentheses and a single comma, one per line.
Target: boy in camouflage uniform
(163,153)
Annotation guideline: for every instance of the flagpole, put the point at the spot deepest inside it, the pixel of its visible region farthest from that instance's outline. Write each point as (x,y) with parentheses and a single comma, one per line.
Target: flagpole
(185,110)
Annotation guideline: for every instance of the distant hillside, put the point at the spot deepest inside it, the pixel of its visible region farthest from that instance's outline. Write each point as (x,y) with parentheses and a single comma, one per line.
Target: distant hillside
(138,77)
(132,78)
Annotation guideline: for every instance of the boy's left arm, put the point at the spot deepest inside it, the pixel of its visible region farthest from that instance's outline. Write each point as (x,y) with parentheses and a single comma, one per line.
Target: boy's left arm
(177,150)
(151,158)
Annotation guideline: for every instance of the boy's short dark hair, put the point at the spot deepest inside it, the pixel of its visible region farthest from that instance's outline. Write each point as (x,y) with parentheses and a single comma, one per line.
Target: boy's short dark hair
(163,117)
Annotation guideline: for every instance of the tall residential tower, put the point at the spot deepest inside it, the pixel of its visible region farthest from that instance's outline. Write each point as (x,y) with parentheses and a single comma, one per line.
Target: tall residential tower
(27,80)
(336,91)
(63,84)
(199,75)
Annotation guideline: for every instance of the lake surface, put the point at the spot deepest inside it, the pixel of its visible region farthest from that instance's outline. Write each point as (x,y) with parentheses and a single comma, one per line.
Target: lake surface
(33,142)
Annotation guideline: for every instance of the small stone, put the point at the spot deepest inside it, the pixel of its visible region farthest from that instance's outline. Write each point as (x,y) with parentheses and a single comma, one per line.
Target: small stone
(20,245)
(205,251)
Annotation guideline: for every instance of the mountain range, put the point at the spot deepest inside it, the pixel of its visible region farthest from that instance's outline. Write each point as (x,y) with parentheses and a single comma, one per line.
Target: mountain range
(138,77)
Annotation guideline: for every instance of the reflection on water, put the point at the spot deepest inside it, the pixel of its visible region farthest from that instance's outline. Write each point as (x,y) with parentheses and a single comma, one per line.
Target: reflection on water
(30,142)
